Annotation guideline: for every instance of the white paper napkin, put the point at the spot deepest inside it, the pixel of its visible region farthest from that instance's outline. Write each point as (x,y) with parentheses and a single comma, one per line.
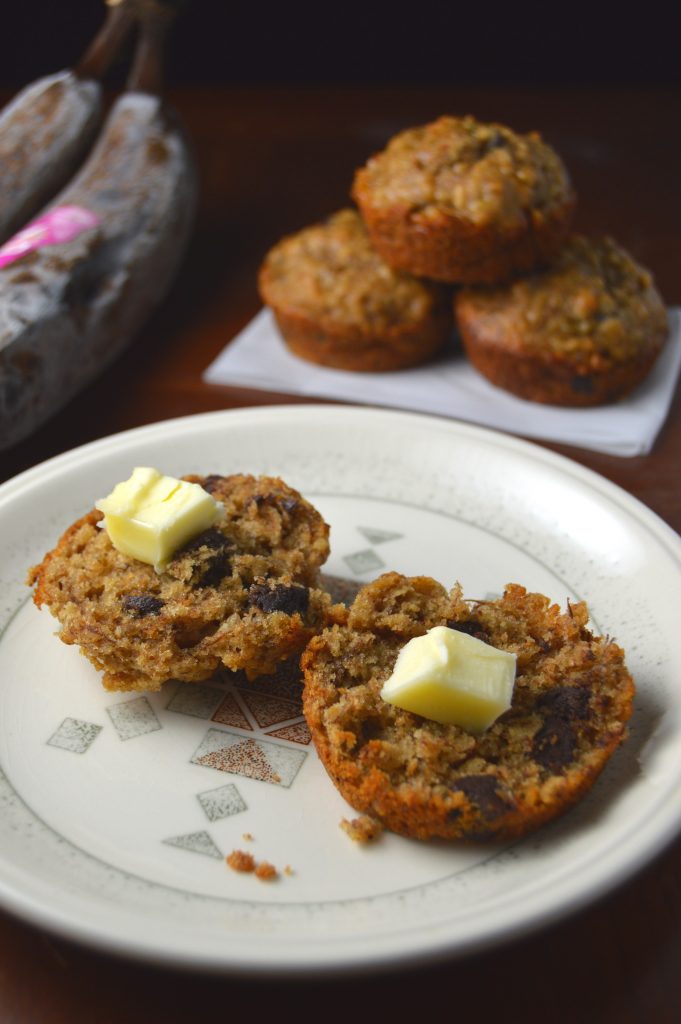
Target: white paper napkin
(258,358)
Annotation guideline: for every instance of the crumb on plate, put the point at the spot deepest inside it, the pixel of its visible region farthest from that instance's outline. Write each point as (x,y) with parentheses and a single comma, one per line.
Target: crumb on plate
(266,872)
(239,860)
(363,829)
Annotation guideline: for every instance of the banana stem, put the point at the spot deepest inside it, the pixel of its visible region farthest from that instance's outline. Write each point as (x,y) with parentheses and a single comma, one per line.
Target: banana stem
(146,74)
(104,48)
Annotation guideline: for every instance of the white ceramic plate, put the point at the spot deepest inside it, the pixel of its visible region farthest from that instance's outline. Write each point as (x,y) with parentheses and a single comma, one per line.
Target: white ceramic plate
(117,810)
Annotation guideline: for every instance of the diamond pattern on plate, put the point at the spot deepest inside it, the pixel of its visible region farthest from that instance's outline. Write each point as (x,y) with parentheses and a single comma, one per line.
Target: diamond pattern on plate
(375,536)
(196,842)
(195,700)
(285,682)
(229,713)
(75,735)
(222,802)
(254,759)
(297,732)
(133,718)
(364,561)
(269,710)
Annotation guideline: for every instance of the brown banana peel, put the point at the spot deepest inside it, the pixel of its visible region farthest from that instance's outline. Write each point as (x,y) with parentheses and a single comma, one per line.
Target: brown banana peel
(67,310)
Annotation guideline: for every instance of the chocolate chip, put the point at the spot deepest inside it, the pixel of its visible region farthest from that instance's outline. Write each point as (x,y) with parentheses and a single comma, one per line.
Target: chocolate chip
(582,384)
(471,627)
(279,598)
(211,538)
(212,482)
(205,560)
(217,568)
(285,501)
(566,702)
(553,745)
(495,141)
(370,729)
(483,790)
(142,604)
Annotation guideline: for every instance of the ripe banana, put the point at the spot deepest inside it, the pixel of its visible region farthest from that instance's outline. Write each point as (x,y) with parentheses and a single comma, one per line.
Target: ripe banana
(47,129)
(67,310)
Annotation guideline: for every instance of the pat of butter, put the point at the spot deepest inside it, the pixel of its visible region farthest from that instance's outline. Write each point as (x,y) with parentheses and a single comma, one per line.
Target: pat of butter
(150,516)
(452,678)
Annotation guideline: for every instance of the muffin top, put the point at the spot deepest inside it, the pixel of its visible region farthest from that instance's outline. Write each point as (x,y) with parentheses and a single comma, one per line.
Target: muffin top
(596,305)
(457,166)
(331,272)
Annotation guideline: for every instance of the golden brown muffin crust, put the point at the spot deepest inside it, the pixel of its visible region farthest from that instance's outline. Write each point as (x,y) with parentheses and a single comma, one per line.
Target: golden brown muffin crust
(585,331)
(464,202)
(477,172)
(331,272)
(339,304)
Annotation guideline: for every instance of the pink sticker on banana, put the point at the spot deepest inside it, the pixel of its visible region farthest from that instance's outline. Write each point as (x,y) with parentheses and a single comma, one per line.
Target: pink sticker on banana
(62,224)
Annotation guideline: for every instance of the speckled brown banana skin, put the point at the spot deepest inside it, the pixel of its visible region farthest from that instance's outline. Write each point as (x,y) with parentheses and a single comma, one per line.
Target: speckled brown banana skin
(67,311)
(49,127)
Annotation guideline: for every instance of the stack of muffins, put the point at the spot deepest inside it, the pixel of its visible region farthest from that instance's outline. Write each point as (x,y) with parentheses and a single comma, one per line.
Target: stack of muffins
(477,210)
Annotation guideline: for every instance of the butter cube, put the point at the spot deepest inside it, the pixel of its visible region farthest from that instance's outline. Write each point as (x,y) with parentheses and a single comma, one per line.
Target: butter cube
(150,516)
(453,678)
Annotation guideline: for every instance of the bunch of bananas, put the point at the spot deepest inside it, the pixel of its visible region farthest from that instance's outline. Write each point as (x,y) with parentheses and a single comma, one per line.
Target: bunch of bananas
(114,204)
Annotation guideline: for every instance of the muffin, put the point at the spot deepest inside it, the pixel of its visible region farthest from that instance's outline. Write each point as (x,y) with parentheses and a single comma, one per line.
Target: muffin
(465,202)
(338,304)
(585,332)
(571,700)
(241,595)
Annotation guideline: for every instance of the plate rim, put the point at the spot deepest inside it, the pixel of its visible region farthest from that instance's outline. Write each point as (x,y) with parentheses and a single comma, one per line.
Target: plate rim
(25,908)
(497,437)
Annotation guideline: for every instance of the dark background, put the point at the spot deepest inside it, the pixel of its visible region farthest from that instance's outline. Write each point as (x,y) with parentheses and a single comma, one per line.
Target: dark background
(343,43)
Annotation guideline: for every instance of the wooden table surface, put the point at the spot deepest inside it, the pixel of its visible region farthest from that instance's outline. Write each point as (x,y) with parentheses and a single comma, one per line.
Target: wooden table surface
(273,160)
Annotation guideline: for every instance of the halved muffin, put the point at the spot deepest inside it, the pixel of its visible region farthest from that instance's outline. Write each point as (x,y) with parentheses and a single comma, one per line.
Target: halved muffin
(572,698)
(243,594)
